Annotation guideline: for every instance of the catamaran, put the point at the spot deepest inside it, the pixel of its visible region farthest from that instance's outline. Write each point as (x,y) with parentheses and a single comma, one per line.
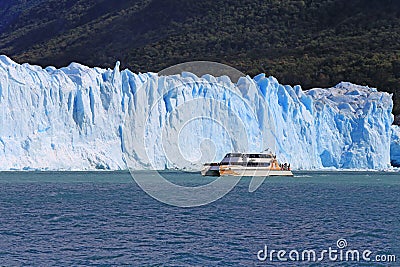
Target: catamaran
(243,164)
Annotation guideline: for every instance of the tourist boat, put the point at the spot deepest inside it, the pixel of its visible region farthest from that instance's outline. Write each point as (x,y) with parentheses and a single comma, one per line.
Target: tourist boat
(243,164)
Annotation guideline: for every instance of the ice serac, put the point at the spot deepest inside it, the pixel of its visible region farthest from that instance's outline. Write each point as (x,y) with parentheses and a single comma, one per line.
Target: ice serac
(395,146)
(79,118)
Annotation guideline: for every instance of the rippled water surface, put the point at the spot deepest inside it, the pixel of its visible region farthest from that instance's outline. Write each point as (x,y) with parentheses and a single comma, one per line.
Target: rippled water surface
(104,218)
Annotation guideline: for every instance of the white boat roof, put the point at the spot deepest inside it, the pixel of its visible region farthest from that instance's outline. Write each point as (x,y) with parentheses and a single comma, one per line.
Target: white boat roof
(250,155)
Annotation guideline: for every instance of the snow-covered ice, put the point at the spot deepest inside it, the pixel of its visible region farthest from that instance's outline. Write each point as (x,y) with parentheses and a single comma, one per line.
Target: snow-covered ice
(81,118)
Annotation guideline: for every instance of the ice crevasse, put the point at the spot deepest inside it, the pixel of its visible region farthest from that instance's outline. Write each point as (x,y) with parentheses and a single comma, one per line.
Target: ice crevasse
(81,118)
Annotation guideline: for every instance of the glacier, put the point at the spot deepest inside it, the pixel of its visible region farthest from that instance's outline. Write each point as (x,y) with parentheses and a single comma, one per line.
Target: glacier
(81,118)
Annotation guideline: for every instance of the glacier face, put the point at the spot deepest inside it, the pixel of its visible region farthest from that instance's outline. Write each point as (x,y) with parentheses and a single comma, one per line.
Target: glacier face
(81,118)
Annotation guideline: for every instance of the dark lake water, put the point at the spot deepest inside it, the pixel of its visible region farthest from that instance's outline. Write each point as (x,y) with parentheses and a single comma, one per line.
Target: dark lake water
(105,219)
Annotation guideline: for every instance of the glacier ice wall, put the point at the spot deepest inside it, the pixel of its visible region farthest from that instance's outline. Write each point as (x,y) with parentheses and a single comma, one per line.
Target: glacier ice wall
(81,118)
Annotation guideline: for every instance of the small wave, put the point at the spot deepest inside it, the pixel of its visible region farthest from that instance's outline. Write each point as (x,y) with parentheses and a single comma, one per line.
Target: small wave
(303,176)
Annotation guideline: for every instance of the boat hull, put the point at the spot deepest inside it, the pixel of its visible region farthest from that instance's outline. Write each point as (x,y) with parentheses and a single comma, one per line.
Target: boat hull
(210,171)
(240,171)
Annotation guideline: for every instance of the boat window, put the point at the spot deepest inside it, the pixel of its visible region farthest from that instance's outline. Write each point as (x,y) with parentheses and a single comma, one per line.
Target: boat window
(247,164)
(258,164)
(266,156)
